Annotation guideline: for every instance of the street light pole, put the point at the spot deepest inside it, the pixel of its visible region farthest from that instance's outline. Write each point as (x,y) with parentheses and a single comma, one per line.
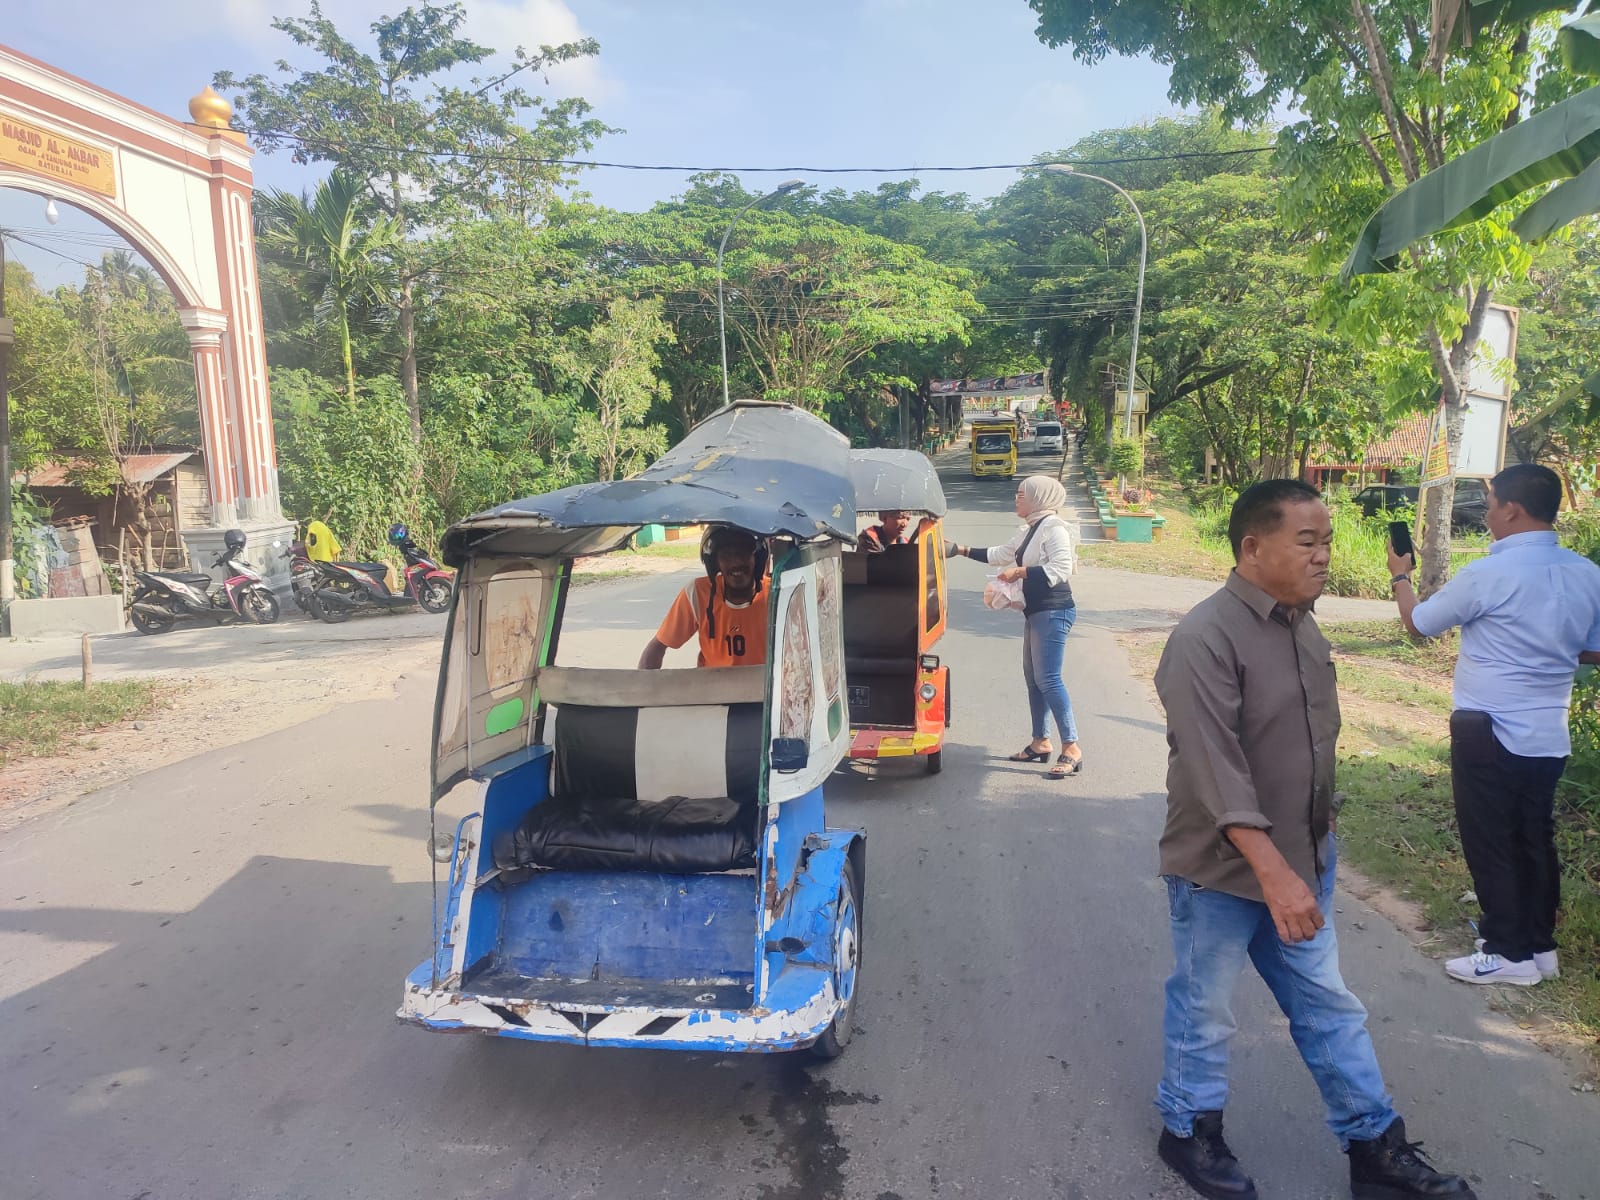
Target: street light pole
(722,322)
(1138,301)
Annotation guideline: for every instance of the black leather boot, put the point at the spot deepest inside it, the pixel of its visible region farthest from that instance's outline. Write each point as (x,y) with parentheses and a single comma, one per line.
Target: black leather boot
(1391,1168)
(1205,1162)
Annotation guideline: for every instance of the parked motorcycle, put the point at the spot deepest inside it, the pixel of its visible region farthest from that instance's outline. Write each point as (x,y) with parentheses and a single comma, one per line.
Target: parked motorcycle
(346,587)
(303,577)
(166,597)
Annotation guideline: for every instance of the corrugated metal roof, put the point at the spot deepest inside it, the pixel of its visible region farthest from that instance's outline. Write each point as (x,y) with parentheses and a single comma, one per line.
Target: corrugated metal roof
(137,468)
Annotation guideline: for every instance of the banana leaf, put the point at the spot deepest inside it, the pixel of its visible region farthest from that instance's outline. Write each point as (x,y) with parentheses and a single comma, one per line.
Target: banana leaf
(1558,143)
(1561,205)
(1579,44)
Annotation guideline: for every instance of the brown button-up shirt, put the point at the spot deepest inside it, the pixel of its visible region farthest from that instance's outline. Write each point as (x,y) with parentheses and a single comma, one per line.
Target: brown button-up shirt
(1252,722)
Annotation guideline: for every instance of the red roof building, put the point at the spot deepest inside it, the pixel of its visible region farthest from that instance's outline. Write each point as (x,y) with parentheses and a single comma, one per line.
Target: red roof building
(1380,462)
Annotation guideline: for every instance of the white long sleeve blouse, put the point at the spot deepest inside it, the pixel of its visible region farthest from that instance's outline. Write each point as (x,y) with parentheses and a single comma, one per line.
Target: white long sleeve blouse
(1050,549)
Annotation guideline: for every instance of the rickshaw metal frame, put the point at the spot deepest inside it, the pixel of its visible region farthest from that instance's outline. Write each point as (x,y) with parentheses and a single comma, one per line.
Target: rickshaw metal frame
(807,874)
(905,481)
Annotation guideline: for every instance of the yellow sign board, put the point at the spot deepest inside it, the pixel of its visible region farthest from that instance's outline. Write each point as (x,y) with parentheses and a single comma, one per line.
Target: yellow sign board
(45,152)
(1436,461)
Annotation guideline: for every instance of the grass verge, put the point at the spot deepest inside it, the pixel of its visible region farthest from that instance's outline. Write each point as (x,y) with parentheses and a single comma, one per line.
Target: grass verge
(1398,825)
(1181,551)
(1195,544)
(39,718)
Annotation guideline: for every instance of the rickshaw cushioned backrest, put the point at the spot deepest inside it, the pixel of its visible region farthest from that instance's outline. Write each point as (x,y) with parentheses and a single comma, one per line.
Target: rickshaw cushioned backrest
(617,750)
(883,605)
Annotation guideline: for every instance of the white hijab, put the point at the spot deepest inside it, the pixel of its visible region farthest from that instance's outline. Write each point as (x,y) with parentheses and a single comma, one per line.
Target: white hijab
(1041,496)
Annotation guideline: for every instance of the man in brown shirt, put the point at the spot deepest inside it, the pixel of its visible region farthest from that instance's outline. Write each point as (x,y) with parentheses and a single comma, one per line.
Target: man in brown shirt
(1249,858)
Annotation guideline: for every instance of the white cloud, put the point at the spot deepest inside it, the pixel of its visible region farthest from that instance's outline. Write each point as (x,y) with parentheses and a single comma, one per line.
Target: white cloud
(238,35)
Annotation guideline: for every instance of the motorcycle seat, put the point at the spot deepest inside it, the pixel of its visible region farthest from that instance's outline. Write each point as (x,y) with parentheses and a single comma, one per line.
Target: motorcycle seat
(192,579)
(371,568)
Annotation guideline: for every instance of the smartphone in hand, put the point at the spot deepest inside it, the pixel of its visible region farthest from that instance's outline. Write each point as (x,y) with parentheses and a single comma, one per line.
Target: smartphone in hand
(1400,538)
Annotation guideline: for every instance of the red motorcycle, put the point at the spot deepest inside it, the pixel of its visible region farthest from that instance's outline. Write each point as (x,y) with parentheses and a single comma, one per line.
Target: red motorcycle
(347,587)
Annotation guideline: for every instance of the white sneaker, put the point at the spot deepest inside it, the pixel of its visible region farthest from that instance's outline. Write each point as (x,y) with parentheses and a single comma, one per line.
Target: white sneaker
(1545,960)
(1491,968)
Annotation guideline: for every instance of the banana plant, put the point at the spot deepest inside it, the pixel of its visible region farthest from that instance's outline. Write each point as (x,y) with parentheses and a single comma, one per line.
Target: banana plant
(1561,142)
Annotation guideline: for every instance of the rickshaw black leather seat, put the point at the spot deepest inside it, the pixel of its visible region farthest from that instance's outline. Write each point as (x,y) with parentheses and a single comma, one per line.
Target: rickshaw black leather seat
(677,836)
(645,787)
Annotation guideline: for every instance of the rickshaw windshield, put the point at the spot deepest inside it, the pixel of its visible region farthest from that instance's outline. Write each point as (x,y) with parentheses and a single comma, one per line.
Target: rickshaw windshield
(993,443)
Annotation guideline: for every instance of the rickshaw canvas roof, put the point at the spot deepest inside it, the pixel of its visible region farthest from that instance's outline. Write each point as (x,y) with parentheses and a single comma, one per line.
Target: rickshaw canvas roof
(897,481)
(768,468)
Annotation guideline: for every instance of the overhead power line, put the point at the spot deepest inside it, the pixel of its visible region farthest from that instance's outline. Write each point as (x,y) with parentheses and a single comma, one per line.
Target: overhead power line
(537,161)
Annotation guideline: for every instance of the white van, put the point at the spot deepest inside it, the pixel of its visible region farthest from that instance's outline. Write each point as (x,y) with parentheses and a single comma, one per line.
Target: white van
(1047,437)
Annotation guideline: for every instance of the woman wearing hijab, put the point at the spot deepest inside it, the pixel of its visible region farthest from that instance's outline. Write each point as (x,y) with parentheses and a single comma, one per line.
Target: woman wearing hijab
(1041,556)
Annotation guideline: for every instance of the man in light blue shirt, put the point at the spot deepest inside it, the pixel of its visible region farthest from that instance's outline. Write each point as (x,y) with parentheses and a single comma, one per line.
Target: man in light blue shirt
(1529,614)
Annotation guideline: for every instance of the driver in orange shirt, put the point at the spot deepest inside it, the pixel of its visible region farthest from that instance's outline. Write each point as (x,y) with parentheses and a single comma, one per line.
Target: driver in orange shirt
(727,608)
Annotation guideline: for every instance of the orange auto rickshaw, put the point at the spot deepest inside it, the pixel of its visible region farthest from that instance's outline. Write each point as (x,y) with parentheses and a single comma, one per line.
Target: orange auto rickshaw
(894,613)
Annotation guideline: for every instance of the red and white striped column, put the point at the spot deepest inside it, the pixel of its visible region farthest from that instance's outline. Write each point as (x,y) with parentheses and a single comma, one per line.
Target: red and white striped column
(206,328)
(244,348)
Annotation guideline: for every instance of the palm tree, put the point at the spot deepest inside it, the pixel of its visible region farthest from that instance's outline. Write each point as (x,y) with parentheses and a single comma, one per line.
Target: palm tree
(329,232)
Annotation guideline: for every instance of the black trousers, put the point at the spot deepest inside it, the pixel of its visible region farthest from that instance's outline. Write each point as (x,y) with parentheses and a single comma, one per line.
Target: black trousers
(1505,809)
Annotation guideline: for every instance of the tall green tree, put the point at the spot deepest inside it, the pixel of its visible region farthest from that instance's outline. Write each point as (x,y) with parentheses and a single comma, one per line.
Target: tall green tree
(1384,93)
(352,255)
(806,297)
(427,149)
(616,362)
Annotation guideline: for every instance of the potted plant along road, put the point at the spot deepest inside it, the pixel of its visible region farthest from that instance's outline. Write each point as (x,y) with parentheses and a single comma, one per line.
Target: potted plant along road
(1134,521)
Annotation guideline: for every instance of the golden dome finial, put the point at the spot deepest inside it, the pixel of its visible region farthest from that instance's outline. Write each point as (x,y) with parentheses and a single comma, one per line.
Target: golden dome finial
(210,110)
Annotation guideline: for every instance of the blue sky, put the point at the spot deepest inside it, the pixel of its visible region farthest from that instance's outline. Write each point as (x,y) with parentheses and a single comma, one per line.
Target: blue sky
(735,83)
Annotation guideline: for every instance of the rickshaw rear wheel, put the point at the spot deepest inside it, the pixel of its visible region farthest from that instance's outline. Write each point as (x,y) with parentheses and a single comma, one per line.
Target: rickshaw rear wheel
(935,762)
(846,967)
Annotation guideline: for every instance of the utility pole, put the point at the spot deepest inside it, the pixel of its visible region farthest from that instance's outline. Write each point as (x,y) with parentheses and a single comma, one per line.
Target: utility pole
(8,587)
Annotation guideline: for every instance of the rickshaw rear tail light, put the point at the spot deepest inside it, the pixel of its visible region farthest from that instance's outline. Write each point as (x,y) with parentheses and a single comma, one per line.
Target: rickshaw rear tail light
(929,662)
(927,691)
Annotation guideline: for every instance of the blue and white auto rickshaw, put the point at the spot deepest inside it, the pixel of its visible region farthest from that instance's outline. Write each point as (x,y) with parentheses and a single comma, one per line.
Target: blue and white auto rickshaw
(648,863)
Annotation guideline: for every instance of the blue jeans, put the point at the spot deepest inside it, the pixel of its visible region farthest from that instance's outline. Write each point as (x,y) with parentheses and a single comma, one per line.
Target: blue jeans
(1212,933)
(1044,642)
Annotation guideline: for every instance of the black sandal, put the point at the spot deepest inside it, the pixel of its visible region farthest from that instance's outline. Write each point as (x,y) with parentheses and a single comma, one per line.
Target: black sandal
(1029,755)
(1066,765)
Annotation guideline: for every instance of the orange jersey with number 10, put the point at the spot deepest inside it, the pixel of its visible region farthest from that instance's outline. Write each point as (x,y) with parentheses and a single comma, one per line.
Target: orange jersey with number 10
(736,636)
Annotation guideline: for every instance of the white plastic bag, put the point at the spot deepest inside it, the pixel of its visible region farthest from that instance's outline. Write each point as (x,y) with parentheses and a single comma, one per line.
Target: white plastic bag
(1001,594)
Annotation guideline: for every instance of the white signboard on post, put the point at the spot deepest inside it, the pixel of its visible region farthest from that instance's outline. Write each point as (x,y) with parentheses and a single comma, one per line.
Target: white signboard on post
(1495,358)
(1487,407)
(1483,438)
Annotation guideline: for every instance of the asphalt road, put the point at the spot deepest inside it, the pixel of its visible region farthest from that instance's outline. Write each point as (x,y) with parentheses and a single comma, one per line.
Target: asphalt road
(198,971)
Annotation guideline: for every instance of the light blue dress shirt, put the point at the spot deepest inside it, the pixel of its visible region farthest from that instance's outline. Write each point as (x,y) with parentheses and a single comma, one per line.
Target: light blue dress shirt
(1526,612)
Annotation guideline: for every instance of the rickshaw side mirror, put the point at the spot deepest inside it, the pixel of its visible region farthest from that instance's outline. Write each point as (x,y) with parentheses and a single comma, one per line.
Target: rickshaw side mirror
(789,754)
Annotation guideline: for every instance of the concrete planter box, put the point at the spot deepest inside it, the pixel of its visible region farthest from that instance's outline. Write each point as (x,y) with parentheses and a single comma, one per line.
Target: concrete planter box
(1135,527)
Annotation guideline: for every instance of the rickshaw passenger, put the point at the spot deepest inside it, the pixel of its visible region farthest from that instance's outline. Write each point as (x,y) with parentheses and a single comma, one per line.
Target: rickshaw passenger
(892,530)
(727,608)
